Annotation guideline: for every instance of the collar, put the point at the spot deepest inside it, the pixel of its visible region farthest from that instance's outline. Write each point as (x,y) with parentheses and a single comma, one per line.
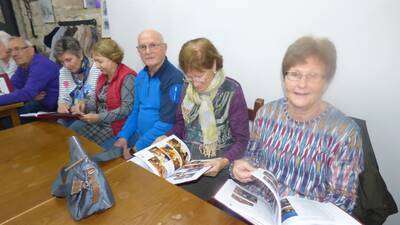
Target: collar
(160,71)
(115,73)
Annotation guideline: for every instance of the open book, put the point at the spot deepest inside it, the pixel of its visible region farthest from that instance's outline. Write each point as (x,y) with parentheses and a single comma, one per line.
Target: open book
(170,159)
(51,115)
(268,208)
(5,84)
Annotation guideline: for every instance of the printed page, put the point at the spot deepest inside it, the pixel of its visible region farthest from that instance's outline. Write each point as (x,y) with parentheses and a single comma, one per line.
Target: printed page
(188,172)
(270,193)
(250,206)
(287,210)
(36,114)
(318,213)
(141,163)
(166,156)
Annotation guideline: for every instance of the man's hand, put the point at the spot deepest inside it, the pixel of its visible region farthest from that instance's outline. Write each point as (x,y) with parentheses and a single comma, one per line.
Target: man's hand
(162,137)
(123,143)
(40,96)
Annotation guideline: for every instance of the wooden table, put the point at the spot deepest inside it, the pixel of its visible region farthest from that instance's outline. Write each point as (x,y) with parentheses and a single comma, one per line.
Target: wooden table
(141,198)
(11,110)
(31,156)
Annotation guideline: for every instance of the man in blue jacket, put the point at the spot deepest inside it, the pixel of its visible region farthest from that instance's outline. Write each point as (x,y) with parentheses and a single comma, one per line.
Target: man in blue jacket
(157,91)
(35,81)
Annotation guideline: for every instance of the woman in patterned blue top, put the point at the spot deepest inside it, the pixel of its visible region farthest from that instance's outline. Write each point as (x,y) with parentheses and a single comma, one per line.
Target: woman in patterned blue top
(313,149)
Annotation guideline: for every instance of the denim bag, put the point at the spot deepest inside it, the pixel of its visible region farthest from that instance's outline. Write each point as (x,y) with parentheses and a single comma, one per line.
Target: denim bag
(83,184)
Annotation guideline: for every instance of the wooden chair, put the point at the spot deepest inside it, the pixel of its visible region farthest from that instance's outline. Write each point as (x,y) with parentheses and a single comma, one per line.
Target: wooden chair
(257,105)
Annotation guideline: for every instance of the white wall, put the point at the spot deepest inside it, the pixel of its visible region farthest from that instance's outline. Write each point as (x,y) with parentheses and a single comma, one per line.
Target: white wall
(253,35)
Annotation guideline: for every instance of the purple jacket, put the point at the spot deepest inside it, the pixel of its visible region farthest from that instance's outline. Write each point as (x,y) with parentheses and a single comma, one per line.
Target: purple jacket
(41,75)
(238,120)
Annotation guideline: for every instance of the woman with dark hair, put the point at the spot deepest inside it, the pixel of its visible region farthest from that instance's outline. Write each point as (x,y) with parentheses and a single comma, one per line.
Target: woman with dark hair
(313,149)
(78,77)
(212,118)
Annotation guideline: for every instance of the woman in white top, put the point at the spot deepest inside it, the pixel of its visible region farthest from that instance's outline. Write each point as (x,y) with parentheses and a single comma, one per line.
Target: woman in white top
(7,64)
(78,76)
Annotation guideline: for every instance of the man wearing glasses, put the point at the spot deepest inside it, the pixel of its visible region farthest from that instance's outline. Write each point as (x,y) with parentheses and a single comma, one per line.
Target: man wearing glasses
(157,92)
(35,81)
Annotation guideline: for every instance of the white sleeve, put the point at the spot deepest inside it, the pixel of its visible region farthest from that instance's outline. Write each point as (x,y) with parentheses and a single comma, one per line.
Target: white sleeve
(66,85)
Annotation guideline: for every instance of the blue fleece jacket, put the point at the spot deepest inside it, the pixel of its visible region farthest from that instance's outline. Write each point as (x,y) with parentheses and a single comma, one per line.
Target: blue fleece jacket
(155,103)
(41,75)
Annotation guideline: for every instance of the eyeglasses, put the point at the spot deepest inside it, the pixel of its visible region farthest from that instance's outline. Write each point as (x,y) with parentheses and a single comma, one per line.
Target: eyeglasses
(18,49)
(150,47)
(195,79)
(198,77)
(297,76)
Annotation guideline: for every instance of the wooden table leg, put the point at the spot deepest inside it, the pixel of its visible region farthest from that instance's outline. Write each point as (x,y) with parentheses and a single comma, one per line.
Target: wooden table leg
(15,118)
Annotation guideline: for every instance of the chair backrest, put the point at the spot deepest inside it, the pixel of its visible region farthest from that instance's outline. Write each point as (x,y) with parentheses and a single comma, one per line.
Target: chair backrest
(374,203)
(258,103)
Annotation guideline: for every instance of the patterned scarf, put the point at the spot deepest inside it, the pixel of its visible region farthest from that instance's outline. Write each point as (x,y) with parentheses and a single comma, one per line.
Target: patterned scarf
(79,93)
(205,112)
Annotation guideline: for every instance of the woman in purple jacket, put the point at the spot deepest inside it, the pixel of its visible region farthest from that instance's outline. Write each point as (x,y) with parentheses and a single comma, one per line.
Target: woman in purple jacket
(212,118)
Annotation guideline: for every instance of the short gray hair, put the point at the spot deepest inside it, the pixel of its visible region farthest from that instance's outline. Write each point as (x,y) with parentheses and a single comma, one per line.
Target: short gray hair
(67,44)
(321,48)
(4,38)
(26,41)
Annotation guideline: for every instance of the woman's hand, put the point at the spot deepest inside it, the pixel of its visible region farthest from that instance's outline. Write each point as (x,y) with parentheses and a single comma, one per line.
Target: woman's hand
(162,137)
(63,108)
(90,117)
(217,165)
(78,108)
(242,171)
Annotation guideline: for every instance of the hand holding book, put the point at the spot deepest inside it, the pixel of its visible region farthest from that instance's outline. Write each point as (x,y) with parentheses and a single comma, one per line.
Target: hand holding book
(242,171)
(216,165)
(171,159)
(264,206)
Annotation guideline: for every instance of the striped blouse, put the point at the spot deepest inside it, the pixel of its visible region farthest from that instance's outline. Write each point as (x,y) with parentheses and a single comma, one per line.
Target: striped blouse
(319,159)
(67,84)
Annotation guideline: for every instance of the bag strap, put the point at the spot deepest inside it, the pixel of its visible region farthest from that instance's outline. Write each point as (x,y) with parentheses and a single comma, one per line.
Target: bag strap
(105,156)
(94,183)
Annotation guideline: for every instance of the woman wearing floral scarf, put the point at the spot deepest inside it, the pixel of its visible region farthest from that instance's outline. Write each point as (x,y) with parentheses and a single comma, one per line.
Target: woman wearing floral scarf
(212,118)
(78,78)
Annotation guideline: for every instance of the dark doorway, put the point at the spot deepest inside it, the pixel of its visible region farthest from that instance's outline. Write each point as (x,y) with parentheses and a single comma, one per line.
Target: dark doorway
(9,24)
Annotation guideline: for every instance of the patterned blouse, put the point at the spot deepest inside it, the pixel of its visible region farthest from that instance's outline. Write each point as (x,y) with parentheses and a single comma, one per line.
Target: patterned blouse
(101,131)
(318,159)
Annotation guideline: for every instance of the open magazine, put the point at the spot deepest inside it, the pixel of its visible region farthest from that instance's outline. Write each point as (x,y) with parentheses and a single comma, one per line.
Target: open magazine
(170,159)
(268,208)
(51,115)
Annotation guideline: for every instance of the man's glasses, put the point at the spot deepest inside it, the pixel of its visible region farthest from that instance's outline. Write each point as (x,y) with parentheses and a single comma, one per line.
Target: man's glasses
(17,49)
